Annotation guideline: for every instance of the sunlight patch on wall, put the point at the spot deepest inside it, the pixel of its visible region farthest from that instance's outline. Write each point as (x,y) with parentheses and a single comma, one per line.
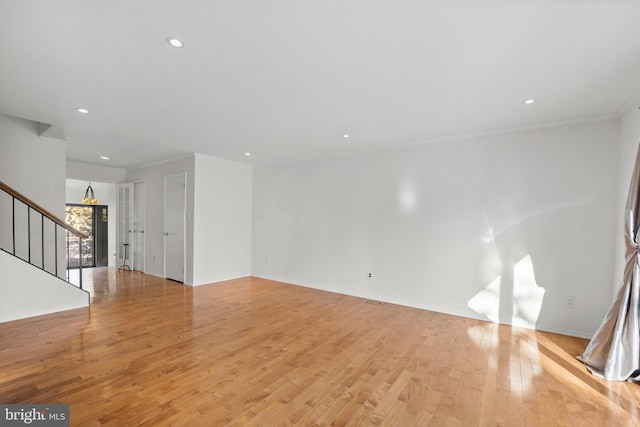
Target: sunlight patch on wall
(527,295)
(487,301)
(526,300)
(489,237)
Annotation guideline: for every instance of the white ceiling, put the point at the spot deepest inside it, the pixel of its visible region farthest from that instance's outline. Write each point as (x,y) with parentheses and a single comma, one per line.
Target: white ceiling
(286,79)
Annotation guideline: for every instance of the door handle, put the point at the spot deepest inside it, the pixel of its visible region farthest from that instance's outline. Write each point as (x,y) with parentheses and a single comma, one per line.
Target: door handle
(165,233)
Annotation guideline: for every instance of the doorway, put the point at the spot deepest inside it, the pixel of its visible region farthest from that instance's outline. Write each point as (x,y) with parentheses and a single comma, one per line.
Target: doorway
(91,220)
(174,226)
(124,207)
(131,205)
(138,221)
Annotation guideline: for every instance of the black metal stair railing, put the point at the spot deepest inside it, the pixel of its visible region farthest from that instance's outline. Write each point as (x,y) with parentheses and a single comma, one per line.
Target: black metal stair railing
(33,234)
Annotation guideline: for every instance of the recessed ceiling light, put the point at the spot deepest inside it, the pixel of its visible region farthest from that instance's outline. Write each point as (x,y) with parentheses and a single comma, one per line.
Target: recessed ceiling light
(173,42)
(247,154)
(105,157)
(83,111)
(345,136)
(529,101)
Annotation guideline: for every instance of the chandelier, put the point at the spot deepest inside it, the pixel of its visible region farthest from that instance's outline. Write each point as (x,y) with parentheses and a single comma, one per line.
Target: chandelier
(89,197)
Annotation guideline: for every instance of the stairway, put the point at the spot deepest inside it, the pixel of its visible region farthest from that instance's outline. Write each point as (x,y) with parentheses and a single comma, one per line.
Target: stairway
(33,274)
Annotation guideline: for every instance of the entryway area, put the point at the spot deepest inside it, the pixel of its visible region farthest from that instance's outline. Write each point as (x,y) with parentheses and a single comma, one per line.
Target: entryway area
(96,219)
(92,220)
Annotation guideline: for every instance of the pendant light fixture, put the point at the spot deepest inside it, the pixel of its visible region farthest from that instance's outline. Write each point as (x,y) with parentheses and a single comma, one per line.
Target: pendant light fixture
(89,196)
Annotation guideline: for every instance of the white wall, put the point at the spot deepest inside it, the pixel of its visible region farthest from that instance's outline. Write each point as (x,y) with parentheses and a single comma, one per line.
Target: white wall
(36,168)
(34,292)
(629,136)
(437,224)
(95,173)
(154,240)
(218,218)
(222,220)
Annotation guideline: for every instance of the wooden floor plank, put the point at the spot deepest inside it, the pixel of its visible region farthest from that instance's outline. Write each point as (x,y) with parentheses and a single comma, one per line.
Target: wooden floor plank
(251,351)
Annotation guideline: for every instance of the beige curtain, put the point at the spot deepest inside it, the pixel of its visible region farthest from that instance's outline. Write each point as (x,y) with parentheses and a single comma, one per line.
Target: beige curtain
(614,350)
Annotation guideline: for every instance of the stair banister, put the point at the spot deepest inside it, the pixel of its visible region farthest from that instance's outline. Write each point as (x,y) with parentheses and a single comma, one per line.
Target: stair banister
(31,205)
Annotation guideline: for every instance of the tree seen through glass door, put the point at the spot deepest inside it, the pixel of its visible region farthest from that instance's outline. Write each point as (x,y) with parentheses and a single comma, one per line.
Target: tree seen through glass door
(81,218)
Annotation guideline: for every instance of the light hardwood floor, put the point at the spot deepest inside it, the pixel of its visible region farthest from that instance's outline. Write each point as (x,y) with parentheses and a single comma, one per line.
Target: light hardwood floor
(256,352)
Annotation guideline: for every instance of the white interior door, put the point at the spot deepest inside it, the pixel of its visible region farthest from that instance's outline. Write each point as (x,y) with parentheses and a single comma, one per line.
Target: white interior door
(174,217)
(124,208)
(138,225)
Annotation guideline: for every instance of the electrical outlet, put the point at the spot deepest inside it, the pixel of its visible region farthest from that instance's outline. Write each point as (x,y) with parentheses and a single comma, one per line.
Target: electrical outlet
(570,302)
(369,275)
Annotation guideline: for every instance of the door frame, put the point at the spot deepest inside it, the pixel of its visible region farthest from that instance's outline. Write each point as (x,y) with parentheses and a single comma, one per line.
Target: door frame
(123,228)
(184,225)
(141,233)
(96,212)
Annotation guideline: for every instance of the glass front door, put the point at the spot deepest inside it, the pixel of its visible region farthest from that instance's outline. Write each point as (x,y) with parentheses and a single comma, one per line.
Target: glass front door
(91,220)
